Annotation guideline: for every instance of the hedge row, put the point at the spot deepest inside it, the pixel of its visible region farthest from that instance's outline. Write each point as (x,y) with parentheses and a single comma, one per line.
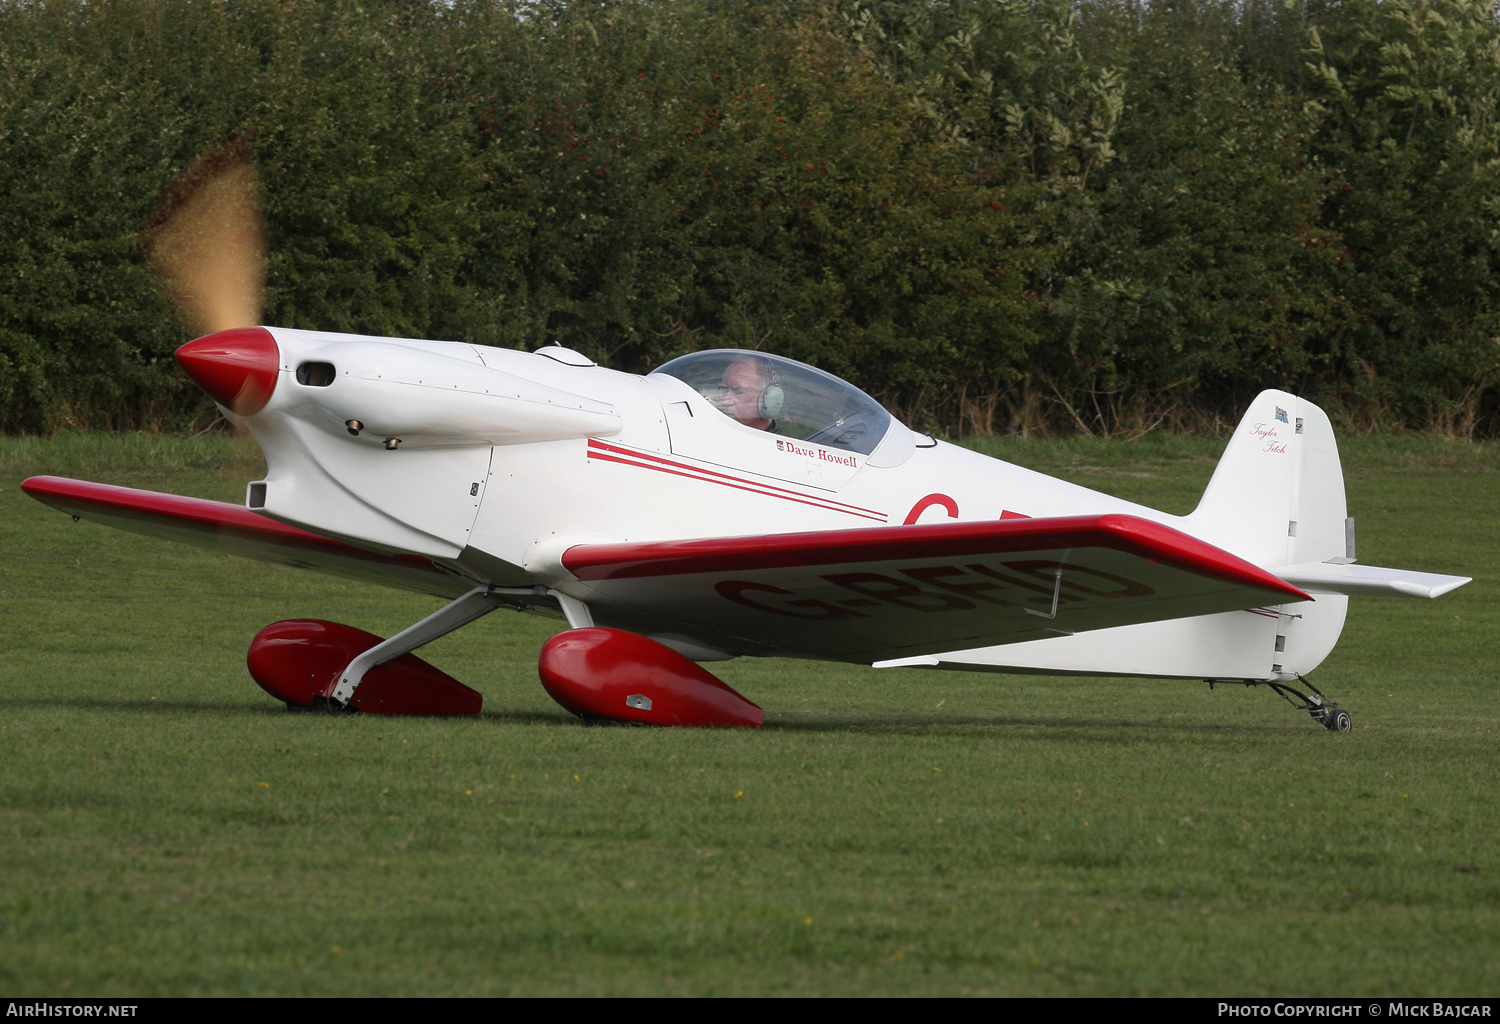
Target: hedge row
(991,214)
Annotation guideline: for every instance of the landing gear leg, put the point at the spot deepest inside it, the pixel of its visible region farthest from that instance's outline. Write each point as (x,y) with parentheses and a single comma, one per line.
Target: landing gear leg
(445,620)
(462,611)
(1319,708)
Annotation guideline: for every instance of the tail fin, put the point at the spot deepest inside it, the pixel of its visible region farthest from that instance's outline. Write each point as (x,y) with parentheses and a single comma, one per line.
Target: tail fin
(1277,500)
(1277,497)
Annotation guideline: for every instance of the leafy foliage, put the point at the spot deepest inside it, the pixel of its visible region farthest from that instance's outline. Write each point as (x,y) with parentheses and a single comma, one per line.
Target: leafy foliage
(992,215)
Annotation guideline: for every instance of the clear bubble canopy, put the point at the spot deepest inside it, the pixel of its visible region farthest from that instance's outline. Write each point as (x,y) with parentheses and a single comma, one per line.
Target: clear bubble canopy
(784,397)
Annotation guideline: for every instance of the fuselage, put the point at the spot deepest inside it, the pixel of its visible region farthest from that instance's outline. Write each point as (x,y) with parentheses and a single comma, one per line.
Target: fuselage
(508,470)
(457,459)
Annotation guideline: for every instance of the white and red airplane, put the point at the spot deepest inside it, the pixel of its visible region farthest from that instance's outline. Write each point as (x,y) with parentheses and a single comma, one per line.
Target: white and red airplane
(728,504)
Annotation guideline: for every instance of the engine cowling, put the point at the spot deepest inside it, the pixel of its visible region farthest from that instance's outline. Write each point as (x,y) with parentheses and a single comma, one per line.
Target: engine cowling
(299,660)
(625,677)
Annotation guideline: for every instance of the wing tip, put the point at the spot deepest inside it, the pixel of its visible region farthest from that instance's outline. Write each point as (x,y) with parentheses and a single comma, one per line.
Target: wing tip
(49,490)
(34,485)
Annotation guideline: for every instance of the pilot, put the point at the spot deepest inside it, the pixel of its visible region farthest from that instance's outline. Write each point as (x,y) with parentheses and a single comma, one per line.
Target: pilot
(750,392)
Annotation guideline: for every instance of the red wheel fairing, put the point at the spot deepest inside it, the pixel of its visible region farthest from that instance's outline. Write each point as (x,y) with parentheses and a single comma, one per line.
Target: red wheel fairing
(625,677)
(299,660)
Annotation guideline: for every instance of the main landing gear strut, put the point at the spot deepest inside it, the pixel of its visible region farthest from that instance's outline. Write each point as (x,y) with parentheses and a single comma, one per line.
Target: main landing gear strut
(1319,708)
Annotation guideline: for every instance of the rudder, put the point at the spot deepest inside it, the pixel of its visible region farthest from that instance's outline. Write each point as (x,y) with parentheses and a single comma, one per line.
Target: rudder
(1277,496)
(1277,499)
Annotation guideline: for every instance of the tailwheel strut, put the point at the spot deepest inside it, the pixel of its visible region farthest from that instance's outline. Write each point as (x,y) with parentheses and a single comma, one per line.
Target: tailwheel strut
(1319,708)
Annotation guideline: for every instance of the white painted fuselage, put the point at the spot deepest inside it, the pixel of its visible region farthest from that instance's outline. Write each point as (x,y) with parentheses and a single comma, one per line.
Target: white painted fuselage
(493,462)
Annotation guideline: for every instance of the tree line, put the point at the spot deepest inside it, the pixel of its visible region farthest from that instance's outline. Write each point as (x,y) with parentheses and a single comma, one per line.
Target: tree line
(994,215)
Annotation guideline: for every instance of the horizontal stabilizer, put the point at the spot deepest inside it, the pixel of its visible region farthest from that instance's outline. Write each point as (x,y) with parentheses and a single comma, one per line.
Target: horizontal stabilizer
(1367,580)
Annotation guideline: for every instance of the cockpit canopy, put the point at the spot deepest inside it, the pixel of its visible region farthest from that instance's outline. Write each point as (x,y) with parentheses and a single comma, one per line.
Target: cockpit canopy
(792,399)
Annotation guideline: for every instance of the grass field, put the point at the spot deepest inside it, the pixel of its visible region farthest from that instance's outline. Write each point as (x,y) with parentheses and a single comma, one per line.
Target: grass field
(167,829)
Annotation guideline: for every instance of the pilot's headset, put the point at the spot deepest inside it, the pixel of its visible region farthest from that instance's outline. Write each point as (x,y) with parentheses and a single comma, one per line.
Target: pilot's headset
(772,398)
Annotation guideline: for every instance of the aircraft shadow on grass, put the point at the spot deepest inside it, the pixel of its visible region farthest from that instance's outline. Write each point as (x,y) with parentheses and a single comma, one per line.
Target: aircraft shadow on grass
(906,725)
(137,704)
(933,725)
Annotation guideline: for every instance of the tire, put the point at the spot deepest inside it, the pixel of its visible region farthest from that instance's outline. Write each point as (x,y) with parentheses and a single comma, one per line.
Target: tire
(1339,721)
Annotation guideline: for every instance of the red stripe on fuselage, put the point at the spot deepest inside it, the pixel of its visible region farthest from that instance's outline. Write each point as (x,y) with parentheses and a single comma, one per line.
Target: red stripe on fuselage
(603,452)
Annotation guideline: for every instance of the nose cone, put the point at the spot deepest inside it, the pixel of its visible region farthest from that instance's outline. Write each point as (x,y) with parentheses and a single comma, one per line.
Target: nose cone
(236,367)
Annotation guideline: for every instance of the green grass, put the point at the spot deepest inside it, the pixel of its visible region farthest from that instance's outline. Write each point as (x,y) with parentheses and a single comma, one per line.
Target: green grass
(167,829)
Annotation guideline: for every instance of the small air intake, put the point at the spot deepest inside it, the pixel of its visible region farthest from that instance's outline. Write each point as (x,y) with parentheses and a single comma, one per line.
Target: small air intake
(316,375)
(255,498)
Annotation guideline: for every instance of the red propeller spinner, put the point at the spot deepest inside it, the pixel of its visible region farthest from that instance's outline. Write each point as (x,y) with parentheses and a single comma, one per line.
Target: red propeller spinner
(236,367)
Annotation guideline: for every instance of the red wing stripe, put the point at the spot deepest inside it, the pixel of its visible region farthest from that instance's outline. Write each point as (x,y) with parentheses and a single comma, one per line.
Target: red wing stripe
(199,515)
(633,453)
(1124,533)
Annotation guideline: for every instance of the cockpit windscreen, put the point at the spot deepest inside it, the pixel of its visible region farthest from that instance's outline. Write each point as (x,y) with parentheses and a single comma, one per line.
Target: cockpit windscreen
(782,396)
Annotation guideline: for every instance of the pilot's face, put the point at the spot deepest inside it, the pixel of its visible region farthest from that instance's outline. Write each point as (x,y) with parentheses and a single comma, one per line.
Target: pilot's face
(739,394)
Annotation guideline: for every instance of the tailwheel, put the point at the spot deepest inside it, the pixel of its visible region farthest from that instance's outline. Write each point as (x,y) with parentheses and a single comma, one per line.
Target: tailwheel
(1319,708)
(1325,712)
(1338,720)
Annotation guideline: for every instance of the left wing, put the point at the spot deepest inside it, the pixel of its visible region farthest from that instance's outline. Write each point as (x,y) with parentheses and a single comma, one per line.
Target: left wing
(885,592)
(234,530)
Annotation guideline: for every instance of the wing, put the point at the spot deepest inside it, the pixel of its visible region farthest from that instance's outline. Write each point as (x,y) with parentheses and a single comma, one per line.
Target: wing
(887,592)
(233,530)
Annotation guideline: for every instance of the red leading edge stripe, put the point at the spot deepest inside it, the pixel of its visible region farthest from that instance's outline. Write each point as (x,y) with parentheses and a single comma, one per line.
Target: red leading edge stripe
(604,452)
(80,497)
(877,544)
